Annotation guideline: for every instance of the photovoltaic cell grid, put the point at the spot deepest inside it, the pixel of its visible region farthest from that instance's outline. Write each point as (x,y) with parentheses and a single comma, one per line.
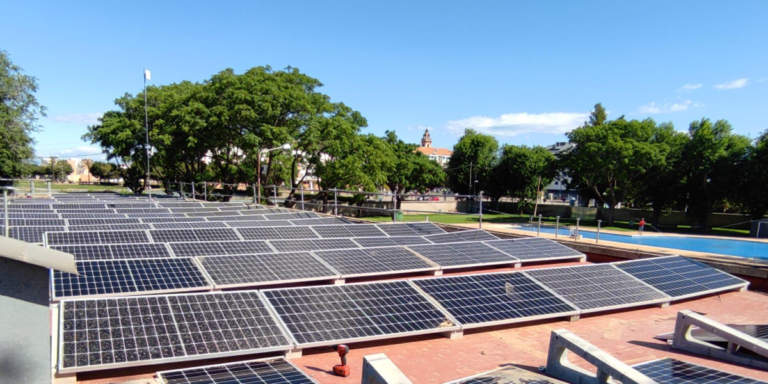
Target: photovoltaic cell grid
(671,371)
(370,261)
(108,333)
(410,229)
(293,215)
(36,222)
(535,248)
(680,276)
(102,221)
(110,277)
(174,235)
(271,371)
(257,223)
(311,244)
(462,254)
(328,314)
(277,233)
(97,237)
(367,242)
(321,221)
(32,234)
(494,298)
(346,231)
(221,248)
(115,251)
(459,236)
(202,224)
(109,227)
(243,270)
(599,286)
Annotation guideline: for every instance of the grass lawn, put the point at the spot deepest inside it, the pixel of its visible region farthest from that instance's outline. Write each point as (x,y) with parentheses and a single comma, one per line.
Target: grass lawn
(41,186)
(622,226)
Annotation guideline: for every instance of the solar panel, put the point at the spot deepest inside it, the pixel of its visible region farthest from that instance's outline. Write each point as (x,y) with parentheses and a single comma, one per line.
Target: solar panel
(671,371)
(142,210)
(467,254)
(276,268)
(108,227)
(16,204)
(256,223)
(125,277)
(264,233)
(293,215)
(123,220)
(332,231)
(97,237)
(410,229)
(221,248)
(92,216)
(368,242)
(179,204)
(118,332)
(311,244)
(374,261)
(193,209)
(459,236)
(79,206)
(32,234)
(14,215)
(321,221)
(681,277)
(495,298)
(153,220)
(356,312)
(202,224)
(535,249)
(36,222)
(151,215)
(230,209)
(115,251)
(597,287)
(174,235)
(210,214)
(272,371)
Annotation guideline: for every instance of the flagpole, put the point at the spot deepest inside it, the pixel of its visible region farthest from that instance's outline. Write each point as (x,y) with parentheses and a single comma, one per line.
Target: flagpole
(146,131)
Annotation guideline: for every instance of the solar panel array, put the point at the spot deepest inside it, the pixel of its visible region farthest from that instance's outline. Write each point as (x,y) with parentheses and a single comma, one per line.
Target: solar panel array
(374,261)
(671,371)
(272,371)
(119,332)
(455,255)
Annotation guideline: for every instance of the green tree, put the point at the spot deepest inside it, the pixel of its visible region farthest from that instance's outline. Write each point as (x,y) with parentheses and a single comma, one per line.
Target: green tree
(19,110)
(61,169)
(102,170)
(411,169)
(610,158)
(523,170)
(751,191)
(663,186)
(87,163)
(598,116)
(474,158)
(714,160)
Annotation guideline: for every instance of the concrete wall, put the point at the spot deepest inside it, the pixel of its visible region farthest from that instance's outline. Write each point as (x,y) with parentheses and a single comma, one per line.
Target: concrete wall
(25,344)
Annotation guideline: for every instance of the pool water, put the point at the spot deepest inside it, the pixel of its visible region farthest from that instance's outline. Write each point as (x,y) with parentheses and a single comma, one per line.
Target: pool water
(750,249)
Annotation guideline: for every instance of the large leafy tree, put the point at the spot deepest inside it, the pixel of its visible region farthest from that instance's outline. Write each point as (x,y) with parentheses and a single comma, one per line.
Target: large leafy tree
(474,158)
(19,110)
(663,186)
(610,158)
(754,179)
(102,170)
(523,170)
(714,160)
(412,170)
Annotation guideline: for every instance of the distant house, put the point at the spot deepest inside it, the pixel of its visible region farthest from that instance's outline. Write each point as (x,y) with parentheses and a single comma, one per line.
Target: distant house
(557,189)
(440,155)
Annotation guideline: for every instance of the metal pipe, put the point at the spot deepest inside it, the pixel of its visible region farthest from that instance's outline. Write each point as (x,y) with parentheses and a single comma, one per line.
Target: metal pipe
(49,189)
(274,193)
(255,201)
(538,229)
(597,235)
(32,187)
(557,226)
(205,191)
(302,197)
(394,206)
(576,237)
(193,190)
(335,203)
(5,210)
(481,210)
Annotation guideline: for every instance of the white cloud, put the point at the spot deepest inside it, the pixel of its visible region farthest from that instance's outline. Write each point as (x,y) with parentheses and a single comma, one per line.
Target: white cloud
(735,84)
(79,118)
(689,87)
(763,79)
(653,108)
(84,150)
(513,124)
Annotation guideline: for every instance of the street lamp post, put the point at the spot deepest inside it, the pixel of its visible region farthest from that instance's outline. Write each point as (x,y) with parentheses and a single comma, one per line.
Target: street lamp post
(285,146)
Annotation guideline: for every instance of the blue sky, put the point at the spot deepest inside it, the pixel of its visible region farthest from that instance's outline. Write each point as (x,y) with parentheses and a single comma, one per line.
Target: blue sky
(525,72)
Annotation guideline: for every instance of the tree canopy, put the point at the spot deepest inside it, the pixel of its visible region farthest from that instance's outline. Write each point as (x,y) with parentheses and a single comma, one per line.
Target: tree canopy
(19,110)
(474,158)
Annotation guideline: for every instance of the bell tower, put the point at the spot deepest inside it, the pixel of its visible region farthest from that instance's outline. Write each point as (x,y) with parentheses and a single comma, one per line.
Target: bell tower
(426,140)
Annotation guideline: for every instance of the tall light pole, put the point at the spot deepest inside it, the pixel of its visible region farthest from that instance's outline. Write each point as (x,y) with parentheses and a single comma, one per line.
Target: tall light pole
(147,76)
(285,146)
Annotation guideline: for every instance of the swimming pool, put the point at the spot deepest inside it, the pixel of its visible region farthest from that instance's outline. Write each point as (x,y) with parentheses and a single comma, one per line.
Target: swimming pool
(751,249)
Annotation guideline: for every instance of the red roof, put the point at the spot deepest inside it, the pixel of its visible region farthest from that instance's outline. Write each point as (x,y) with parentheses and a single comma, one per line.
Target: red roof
(435,151)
